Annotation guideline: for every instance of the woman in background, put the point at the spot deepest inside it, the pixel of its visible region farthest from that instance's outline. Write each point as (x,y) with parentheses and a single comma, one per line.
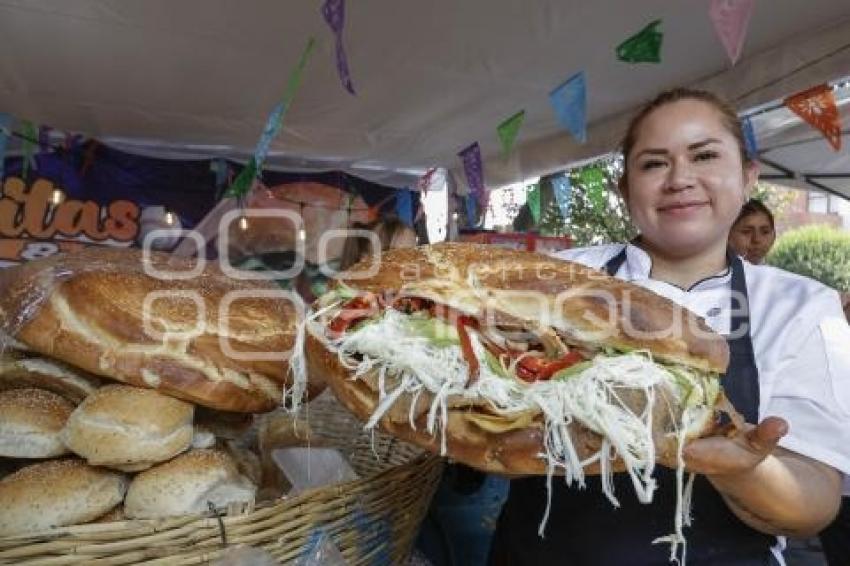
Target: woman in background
(753,233)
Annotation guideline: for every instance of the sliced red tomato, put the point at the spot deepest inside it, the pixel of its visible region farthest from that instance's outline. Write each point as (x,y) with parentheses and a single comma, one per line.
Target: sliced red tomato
(357,309)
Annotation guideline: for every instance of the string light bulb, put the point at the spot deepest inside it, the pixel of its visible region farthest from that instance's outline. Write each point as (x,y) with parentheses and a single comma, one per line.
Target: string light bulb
(243,223)
(302,233)
(57,197)
(169,218)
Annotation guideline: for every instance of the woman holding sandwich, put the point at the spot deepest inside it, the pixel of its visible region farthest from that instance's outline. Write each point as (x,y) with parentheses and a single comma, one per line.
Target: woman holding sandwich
(685,179)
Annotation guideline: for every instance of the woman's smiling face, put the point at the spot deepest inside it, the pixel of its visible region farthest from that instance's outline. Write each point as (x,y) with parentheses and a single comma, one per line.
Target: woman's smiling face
(686,181)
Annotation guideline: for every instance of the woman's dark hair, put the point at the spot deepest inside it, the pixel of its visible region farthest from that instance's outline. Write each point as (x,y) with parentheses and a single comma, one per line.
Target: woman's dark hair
(356,247)
(387,228)
(754,206)
(727,115)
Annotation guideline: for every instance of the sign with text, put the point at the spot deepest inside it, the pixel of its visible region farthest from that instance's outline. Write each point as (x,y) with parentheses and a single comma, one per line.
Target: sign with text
(70,200)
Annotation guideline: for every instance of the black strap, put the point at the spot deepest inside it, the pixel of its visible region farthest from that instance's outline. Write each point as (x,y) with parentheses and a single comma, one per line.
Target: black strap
(613,265)
(741,384)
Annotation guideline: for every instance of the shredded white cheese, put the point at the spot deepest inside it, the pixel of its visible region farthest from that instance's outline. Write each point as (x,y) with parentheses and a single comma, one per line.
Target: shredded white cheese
(293,395)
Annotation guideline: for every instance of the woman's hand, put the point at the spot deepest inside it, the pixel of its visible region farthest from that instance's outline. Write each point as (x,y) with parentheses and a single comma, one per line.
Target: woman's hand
(771,489)
(738,454)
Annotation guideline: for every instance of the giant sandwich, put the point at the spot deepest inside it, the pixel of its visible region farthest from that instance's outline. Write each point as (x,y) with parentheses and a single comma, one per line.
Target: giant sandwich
(149,321)
(518,363)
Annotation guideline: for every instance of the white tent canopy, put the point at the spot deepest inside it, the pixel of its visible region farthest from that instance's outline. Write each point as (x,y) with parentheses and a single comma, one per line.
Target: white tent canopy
(195,78)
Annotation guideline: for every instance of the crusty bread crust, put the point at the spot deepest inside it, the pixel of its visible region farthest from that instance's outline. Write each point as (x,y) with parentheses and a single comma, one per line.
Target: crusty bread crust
(19,370)
(592,307)
(86,309)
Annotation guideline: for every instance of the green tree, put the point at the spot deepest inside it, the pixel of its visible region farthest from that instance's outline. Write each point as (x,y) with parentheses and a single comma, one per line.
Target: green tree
(820,252)
(597,212)
(776,198)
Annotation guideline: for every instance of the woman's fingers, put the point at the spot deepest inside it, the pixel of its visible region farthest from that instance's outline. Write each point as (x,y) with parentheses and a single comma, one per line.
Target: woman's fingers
(763,438)
(740,453)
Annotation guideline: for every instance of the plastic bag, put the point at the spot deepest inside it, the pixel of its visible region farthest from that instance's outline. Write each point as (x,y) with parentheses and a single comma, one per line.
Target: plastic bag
(321,551)
(311,467)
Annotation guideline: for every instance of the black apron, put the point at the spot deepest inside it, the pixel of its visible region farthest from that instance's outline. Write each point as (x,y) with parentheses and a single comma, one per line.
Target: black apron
(584,528)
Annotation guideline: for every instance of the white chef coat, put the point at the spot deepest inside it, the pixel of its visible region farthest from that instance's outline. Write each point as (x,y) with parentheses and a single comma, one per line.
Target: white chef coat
(800,337)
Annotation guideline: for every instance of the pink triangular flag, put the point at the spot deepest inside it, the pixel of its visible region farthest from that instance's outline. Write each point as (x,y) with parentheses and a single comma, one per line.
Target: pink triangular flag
(730,19)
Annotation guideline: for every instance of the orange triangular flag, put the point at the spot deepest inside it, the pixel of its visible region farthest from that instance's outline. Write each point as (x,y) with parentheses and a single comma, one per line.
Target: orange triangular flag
(817,107)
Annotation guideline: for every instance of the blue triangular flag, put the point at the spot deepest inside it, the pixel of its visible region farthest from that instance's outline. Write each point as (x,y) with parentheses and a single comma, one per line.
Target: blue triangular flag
(275,119)
(471,216)
(404,206)
(750,138)
(563,192)
(569,100)
(5,130)
(219,168)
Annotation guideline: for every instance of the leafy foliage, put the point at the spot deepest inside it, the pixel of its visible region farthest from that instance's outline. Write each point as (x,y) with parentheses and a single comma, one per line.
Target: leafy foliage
(820,252)
(776,198)
(597,212)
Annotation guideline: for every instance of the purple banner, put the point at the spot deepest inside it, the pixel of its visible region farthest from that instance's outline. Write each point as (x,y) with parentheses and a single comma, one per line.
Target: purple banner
(334,13)
(474,169)
(44,137)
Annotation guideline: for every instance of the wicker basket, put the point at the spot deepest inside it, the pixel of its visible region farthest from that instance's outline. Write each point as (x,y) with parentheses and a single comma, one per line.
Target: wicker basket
(372,520)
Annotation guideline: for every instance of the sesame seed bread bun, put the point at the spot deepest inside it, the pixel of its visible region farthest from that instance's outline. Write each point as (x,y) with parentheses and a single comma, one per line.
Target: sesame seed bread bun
(129,428)
(57,493)
(31,422)
(186,485)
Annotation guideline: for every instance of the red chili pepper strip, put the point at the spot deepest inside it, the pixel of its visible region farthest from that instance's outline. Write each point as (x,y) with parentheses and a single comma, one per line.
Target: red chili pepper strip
(355,310)
(530,368)
(571,359)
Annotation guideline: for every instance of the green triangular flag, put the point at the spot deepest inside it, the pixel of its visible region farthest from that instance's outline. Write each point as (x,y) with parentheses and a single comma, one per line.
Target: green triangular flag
(643,47)
(29,133)
(533,201)
(508,131)
(593,181)
(242,183)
